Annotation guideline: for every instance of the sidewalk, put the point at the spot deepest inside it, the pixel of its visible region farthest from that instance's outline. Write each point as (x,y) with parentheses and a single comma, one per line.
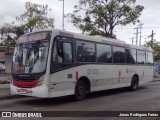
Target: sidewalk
(4,86)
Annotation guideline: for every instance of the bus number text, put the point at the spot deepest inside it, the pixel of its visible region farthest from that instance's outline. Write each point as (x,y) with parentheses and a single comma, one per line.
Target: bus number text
(92,71)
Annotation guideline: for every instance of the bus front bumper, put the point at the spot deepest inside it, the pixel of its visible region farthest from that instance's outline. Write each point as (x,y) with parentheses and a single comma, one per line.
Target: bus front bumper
(40,91)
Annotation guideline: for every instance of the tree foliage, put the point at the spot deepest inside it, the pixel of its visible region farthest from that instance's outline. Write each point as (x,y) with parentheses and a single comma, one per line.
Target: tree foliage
(35,17)
(156,48)
(5,32)
(101,16)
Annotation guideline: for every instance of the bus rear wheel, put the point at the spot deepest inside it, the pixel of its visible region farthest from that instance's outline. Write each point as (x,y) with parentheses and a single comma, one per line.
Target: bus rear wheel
(80,90)
(134,83)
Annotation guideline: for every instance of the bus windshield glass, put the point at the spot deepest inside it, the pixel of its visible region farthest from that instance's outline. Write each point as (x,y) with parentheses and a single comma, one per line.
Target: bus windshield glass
(30,56)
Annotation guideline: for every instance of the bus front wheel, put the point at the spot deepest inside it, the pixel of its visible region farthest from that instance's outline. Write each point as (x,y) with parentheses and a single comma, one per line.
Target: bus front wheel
(80,90)
(134,83)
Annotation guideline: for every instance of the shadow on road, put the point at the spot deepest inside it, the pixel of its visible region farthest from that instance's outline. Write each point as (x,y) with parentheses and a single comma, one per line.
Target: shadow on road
(69,99)
(113,92)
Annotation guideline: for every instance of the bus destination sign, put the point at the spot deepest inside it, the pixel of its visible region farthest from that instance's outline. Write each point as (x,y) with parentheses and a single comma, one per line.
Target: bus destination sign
(33,37)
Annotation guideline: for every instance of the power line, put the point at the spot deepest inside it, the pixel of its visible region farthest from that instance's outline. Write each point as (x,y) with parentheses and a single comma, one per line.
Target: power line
(143,28)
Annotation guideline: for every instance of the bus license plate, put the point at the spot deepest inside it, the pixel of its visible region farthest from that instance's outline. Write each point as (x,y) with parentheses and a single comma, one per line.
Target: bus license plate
(23,91)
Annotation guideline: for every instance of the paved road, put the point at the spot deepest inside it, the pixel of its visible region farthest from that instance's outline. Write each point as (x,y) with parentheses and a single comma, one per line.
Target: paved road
(146,98)
(4,91)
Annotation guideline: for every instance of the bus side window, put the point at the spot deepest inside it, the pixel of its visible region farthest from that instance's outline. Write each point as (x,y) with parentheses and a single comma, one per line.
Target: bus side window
(131,56)
(86,51)
(140,57)
(64,52)
(57,52)
(118,54)
(149,58)
(54,52)
(67,52)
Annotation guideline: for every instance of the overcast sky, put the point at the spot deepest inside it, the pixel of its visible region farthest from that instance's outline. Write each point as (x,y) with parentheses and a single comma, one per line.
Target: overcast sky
(150,16)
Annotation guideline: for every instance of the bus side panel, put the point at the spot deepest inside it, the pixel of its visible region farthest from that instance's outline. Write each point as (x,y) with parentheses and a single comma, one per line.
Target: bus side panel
(132,70)
(148,74)
(100,76)
(119,76)
(144,73)
(62,82)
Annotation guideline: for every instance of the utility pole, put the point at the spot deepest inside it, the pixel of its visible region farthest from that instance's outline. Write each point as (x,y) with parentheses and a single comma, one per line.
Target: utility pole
(132,39)
(140,34)
(62,15)
(137,32)
(152,36)
(136,35)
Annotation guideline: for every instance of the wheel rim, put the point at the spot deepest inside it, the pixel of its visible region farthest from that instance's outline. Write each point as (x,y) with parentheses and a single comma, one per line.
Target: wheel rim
(81,90)
(135,84)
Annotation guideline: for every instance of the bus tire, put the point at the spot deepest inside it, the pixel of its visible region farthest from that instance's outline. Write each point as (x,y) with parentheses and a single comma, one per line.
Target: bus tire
(80,90)
(134,83)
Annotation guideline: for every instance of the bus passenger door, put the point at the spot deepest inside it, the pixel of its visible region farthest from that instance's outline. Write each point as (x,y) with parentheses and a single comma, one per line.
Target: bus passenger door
(62,70)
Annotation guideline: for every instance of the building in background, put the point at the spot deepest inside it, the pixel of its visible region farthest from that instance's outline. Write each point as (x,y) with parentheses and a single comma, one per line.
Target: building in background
(6,54)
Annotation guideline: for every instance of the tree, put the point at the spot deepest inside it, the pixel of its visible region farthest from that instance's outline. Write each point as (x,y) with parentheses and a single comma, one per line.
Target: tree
(9,33)
(156,48)
(101,16)
(6,31)
(35,17)
(6,28)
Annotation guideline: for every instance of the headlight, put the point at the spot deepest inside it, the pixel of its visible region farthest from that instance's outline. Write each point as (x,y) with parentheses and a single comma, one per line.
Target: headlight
(40,81)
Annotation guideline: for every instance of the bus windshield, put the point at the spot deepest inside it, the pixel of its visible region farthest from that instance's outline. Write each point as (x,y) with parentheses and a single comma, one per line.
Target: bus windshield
(30,56)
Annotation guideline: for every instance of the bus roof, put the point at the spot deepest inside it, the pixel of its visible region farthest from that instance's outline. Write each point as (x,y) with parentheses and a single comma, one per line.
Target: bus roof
(101,39)
(95,38)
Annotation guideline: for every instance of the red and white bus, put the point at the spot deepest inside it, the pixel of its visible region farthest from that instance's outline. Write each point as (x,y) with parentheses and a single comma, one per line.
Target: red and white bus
(53,63)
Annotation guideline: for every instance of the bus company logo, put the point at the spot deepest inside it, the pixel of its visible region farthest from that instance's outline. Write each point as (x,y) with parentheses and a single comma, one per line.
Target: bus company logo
(6,114)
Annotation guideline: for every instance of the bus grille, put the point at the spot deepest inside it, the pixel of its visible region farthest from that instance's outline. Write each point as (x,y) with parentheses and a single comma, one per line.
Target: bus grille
(25,84)
(26,79)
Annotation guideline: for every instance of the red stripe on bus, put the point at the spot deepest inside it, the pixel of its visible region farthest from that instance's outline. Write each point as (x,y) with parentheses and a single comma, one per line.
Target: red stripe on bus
(76,75)
(119,73)
(115,43)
